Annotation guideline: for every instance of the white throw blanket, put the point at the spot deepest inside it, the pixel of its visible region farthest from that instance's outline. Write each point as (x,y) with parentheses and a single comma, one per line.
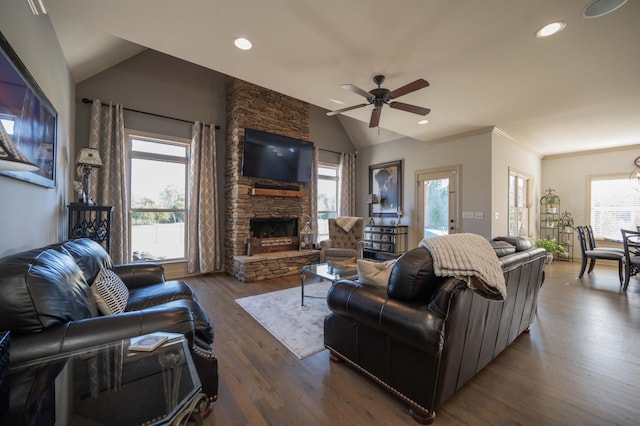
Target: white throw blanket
(471,258)
(346,222)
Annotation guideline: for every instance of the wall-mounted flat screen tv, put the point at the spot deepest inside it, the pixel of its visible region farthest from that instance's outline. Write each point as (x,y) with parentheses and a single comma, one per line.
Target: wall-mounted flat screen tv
(270,156)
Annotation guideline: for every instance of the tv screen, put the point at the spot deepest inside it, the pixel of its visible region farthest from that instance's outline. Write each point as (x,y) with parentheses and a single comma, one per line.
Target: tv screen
(271,156)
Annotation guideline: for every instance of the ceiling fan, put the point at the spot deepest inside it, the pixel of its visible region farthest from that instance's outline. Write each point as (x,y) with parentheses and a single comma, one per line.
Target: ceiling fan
(380,96)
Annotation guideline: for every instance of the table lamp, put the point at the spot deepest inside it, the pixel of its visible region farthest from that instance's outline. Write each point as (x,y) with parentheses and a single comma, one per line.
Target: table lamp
(89,159)
(371,200)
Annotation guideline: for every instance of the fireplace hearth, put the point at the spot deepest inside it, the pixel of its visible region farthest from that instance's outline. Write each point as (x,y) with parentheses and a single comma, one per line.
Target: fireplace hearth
(273,234)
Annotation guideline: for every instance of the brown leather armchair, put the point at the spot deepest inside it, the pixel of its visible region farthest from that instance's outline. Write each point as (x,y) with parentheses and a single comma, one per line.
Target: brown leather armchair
(345,240)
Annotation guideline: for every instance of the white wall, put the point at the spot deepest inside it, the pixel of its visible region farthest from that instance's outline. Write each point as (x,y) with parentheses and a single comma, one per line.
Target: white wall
(472,152)
(568,175)
(508,154)
(30,215)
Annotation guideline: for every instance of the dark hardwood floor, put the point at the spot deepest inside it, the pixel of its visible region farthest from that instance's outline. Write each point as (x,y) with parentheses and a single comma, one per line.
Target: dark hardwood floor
(580,365)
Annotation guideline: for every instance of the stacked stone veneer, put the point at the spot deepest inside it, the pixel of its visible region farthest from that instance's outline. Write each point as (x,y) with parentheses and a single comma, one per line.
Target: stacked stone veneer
(258,108)
(272,265)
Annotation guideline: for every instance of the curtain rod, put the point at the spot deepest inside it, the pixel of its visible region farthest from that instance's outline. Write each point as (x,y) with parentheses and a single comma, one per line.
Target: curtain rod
(88,101)
(334,152)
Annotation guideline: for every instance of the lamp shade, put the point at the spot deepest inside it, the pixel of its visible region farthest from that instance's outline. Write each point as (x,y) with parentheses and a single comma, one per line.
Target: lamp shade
(10,157)
(373,199)
(89,157)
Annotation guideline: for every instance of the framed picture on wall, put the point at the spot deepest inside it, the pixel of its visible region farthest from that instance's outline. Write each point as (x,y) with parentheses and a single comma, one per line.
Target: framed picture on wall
(28,118)
(385,180)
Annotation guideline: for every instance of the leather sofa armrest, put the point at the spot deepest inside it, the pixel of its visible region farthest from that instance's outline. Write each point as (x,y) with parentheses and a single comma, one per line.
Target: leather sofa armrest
(136,275)
(412,323)
(76,335)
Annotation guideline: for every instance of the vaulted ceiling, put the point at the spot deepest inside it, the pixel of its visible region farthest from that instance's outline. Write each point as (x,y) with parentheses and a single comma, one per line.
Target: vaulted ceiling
(576,90)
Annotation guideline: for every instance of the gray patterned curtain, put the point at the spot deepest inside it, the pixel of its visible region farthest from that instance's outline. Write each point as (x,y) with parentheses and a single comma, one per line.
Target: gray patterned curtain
(313,193)
(106,133)
(204,249)
(347,205)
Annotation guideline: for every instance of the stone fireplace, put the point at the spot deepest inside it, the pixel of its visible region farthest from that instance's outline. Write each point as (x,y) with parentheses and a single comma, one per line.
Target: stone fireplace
(258,108)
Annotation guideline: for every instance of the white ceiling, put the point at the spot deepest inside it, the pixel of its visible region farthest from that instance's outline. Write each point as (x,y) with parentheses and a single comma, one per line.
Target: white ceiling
(577,90)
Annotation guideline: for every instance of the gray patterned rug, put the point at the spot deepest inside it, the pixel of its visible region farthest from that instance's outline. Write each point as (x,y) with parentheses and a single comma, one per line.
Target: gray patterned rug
(299,328)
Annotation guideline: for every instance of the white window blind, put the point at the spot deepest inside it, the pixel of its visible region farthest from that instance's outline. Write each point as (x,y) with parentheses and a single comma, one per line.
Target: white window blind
(615,205)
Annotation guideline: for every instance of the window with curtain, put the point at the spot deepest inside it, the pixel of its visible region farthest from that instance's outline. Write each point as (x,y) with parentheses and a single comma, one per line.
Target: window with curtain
(518,204)
(158,197)
(613,205)
(328,184)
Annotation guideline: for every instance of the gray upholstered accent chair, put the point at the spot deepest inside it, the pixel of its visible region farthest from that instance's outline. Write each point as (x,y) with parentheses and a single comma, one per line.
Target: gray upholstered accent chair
(342,245)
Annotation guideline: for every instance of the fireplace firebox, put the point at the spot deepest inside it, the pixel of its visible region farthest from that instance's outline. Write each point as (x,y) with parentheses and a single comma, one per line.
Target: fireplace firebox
(273,235)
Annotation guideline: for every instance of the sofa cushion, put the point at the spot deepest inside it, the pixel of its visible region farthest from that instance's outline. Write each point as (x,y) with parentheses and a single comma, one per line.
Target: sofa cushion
(502,248)
(412,276)
(375,273)
(41,288)
(520,243)
(109,292)
(90,256)
(157,294)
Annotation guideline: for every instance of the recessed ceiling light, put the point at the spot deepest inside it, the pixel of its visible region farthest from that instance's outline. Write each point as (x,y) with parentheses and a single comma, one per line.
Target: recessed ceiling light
(598,8)
(242,43)
(336,101)
(550,29)
(423,121)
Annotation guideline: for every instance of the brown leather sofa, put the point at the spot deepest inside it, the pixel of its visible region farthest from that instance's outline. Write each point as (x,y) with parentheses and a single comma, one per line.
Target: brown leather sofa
(46,304)
(423,337)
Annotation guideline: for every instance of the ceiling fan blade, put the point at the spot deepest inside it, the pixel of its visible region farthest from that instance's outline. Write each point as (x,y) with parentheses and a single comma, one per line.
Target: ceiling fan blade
(410,108)
(375,117)
(338,111)
(357,90)
(411,87)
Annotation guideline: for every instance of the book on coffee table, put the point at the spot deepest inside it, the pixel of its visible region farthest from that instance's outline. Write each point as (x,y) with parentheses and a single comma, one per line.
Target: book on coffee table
(151,341)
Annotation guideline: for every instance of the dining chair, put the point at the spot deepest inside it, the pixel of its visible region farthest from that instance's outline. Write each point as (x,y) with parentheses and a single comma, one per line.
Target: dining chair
(631,241)
(593,255)
(592,242)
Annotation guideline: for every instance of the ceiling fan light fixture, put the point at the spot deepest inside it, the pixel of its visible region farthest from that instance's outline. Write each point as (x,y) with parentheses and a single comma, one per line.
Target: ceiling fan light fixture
(599,8)
(243,43)
(550,29)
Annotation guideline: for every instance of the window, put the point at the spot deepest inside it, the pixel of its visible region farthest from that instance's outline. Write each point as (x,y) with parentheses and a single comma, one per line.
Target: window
(158,197)
(614,205)
(327,198)
(518,204)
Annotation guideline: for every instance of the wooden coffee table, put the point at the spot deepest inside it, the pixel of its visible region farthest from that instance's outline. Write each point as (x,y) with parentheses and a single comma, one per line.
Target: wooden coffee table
(328,273)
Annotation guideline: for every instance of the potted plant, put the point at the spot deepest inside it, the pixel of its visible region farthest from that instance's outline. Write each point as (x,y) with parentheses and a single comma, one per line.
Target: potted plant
(566,222)
(552,248)
(551,200)
(552,203)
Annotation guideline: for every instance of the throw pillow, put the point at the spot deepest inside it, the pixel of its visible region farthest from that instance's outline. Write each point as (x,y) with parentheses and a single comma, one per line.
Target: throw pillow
(375,273)
(110,292)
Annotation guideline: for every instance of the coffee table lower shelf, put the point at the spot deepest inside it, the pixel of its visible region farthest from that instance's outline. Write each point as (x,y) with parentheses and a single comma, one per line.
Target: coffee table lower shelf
(325,272)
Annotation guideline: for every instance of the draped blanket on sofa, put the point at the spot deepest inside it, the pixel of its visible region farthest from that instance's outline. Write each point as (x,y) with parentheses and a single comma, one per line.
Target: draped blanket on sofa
(471,258)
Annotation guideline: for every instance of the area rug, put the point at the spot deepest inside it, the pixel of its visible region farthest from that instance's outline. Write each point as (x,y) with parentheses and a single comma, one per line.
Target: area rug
(299,328)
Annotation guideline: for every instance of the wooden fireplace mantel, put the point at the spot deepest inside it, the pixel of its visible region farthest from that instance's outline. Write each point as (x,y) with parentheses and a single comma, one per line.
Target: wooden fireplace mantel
(278,192)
